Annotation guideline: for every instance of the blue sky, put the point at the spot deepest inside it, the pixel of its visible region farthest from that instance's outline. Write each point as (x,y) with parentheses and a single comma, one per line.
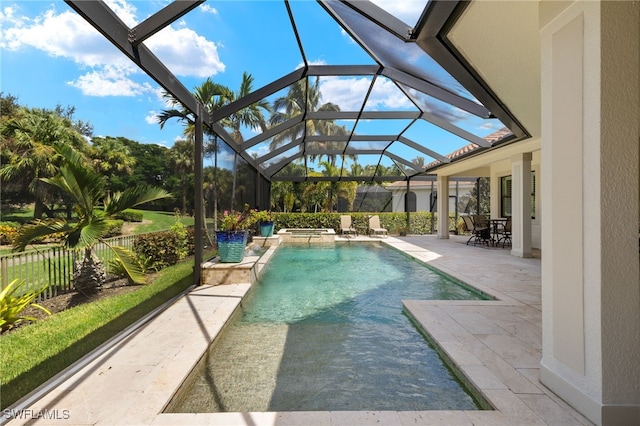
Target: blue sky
(49,55)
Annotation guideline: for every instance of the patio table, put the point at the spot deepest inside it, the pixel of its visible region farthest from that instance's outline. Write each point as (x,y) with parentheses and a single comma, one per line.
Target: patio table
(495,226)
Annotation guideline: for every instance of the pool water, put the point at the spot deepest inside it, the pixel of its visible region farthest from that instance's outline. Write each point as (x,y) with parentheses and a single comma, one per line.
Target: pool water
(324,330)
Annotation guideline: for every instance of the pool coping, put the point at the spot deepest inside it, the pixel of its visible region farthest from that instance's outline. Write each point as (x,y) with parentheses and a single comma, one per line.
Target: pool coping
(495,344)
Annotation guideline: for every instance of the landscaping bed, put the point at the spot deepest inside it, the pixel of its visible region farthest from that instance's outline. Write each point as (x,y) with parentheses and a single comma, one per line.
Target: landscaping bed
(32,354)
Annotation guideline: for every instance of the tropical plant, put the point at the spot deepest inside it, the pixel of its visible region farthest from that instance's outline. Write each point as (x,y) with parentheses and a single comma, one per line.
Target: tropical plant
(261,216)
(182,161)
(93,208)
(251,117)
(338,188)
(28,152)
(214,96)
(13,303)
(302,98)
(236,221)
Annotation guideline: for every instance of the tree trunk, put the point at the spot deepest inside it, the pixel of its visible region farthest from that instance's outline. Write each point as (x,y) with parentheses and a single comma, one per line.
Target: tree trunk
(89,274)
(233,189)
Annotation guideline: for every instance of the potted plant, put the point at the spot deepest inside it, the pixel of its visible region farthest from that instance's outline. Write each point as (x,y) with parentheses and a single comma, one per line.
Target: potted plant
(233,235)
(265,222)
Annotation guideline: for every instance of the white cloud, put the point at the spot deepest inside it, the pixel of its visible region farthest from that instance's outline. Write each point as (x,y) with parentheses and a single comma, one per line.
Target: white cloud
(385,94)
(208,9)
(406,10)
(67,35)
(110,81)
(64,35)
(125,11)
(348,93)
(186,53)
(152,117)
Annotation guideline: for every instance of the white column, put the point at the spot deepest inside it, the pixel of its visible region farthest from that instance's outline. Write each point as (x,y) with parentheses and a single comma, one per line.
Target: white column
(443,206)
(521,205)
(590,191)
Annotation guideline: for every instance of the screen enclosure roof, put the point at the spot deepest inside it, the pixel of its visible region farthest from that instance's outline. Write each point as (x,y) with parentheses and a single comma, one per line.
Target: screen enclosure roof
(355,90)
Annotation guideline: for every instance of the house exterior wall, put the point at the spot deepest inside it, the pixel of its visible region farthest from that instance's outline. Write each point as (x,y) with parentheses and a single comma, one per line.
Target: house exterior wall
(502,168)
(590,158)
(423,195)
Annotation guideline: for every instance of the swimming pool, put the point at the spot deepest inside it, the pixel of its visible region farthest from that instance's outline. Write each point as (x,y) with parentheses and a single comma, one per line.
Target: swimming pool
(324,330)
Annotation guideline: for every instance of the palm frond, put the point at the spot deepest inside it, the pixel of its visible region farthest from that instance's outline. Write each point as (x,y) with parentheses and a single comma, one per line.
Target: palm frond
(78,180)
(167,114)
(39,229)
(132,197)
(86,234)
(126,258)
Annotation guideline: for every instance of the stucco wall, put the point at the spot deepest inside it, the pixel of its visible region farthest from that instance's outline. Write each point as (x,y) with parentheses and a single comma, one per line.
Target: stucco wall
(590,265)
(502,168)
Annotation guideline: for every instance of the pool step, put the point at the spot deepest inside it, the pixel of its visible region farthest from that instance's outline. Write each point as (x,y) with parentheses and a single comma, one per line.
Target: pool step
(247,271)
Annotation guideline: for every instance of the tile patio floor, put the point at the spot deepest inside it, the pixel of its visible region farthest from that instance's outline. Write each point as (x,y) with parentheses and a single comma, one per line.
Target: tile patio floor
(496,344)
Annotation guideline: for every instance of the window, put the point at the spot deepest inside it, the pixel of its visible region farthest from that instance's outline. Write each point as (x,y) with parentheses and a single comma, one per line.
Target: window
(505,196)
(411,202)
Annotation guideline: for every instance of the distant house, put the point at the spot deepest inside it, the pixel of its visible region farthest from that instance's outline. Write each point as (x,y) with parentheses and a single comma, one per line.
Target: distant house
(423,195)
(369,198)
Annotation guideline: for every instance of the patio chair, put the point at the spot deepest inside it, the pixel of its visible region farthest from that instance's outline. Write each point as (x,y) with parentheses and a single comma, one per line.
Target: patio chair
(480,232)
(375,228)
(505,233)
(346,228)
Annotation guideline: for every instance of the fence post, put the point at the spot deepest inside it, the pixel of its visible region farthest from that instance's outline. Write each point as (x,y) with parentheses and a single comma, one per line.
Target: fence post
(5,275)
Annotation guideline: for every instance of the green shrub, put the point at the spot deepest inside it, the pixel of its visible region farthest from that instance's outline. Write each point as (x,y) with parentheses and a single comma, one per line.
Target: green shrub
(130,215)
(159,249)
(13,302)
(419,222)
(180,230)
(115,228)
(191,246)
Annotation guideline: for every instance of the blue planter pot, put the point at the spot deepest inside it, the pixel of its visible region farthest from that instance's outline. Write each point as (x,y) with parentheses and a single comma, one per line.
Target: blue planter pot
(266,229)
(231,245)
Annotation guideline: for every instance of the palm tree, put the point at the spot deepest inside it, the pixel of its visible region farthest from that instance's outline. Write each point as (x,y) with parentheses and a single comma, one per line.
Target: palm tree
(419,161)
(28,141)
(182,161)
(111,157)
(303,98)
(251,116)
(214,96)
(337,189)
(92,208)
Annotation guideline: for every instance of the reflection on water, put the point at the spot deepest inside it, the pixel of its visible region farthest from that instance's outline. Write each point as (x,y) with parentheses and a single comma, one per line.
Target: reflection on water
(324,330)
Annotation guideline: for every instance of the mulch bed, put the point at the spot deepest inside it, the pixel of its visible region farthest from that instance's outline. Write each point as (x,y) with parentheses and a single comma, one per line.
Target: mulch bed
(68,300)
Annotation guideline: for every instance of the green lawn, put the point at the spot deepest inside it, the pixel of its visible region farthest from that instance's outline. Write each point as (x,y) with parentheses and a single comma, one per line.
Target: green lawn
(33,354)
(39,273)
(159,221)
(16,215)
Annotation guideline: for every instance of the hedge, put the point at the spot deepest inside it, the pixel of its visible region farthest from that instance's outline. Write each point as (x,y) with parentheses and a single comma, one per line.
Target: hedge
(419,222)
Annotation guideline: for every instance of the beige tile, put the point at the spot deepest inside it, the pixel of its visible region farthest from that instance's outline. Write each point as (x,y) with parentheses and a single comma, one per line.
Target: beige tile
(364,418)
(184,419)
(549,411)
(459,353)
(434,418)
(517,353)
(303,418)
(482,377)
(513,408)
(487,418)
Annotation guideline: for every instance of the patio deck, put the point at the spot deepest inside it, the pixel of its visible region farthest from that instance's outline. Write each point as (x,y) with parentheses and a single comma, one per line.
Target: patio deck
(496,344)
